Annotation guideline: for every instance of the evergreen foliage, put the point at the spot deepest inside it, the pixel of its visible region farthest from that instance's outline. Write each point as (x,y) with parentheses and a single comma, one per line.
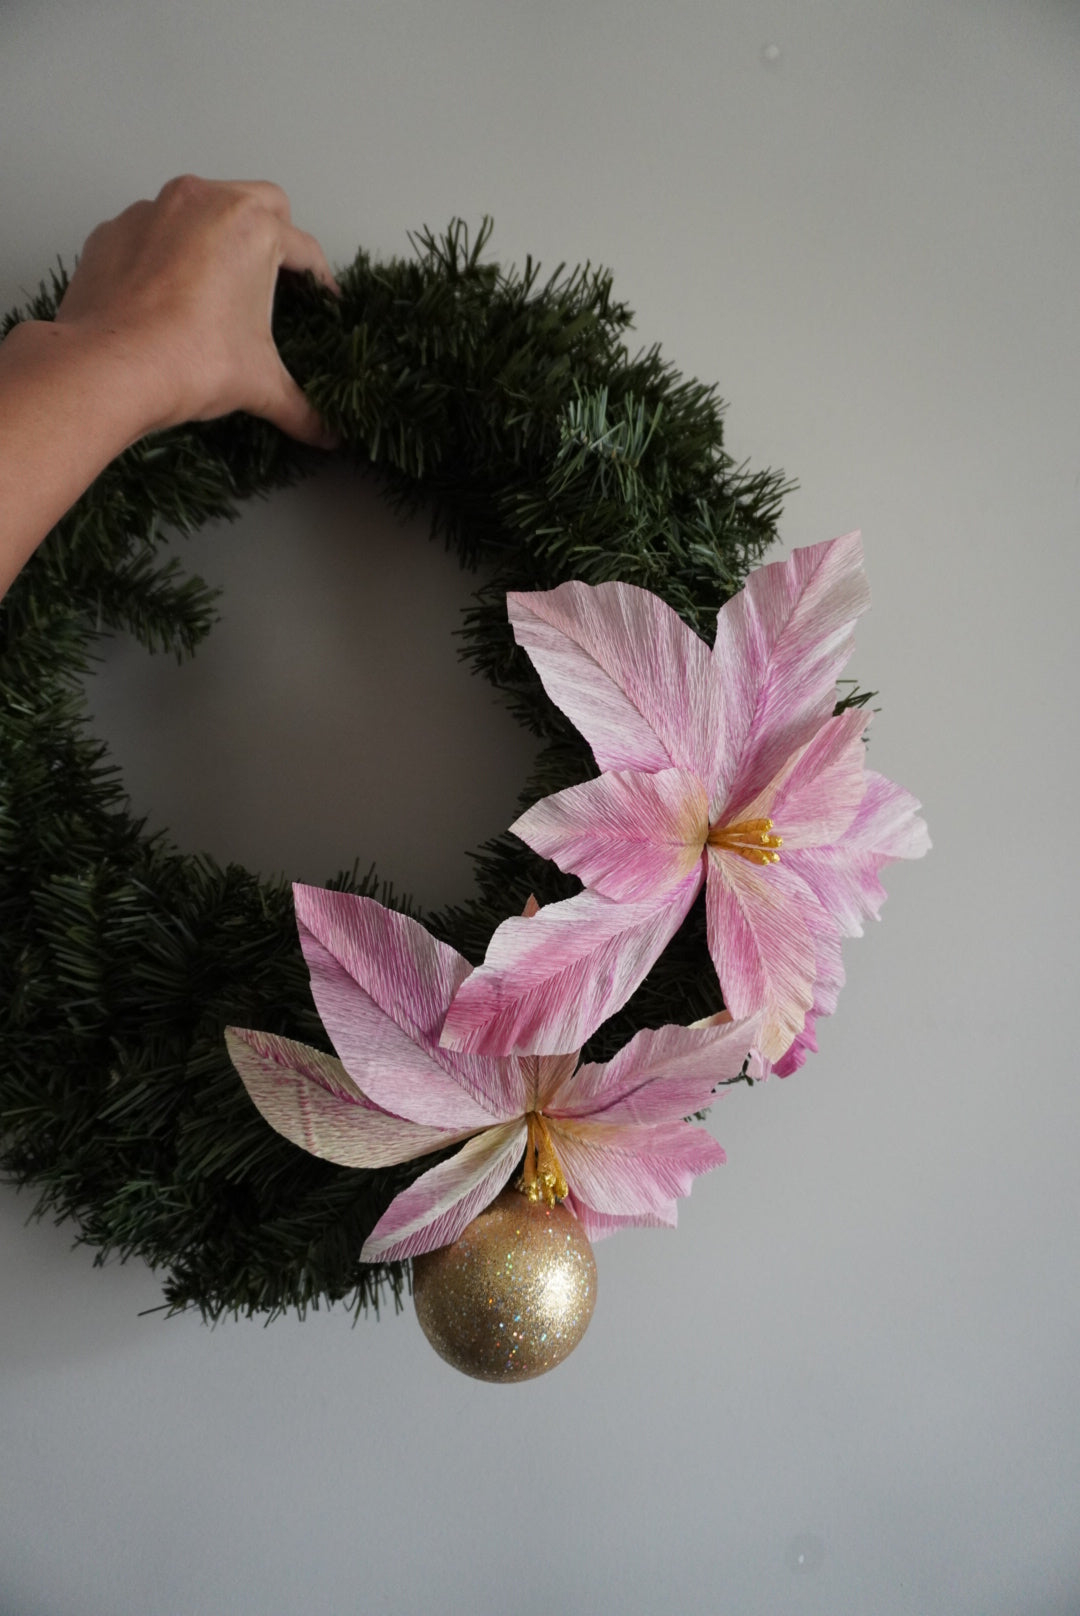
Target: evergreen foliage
(513,408)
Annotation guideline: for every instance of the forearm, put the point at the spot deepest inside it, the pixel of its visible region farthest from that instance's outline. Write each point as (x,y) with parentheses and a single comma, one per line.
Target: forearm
(69,403)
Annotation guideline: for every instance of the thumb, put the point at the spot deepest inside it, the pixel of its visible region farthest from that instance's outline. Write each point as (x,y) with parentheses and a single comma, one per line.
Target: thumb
(292,412)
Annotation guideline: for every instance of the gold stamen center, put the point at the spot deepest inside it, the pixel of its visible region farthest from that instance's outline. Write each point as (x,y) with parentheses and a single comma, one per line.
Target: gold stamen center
(543,1178)
(751,838)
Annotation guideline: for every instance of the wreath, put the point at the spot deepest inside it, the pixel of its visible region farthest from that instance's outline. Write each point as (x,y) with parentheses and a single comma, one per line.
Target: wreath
(510,407)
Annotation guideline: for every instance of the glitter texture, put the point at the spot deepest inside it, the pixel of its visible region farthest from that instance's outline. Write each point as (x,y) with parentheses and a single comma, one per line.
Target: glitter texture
(513,1296)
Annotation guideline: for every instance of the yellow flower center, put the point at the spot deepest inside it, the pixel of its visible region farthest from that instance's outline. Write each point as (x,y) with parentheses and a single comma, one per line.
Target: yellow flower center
(751,838)
(543,1178)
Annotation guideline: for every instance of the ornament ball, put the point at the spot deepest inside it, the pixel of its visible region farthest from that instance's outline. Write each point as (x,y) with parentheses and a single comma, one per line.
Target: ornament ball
(513,1296)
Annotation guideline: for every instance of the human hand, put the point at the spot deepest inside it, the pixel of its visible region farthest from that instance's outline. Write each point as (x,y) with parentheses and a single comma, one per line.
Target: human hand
(184,287)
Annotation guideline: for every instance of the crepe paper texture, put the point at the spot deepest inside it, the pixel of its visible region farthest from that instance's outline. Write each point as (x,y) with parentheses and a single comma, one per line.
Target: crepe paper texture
(725,767)
(610,1139)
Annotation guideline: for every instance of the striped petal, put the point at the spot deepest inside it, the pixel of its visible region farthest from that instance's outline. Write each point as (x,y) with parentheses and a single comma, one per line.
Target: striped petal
(381,984)
(598,1225)
(888,823)
(624,1170)
(780,645)
(828,963)
(661,1075)
(805,1044)
(828,980)
(760,927)
(310,1098)
(549,982)
(816,795)
(844,877)
(624,667)
(442,1202)
(627,836)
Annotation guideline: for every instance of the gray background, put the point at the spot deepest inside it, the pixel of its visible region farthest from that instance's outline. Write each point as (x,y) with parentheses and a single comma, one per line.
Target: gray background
(848,1383)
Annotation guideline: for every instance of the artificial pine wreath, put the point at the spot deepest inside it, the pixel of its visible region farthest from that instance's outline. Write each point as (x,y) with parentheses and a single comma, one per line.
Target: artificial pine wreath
(512,408)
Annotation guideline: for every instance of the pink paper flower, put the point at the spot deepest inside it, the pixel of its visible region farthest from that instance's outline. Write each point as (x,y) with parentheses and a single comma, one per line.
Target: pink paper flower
(609,1138)
(724,767)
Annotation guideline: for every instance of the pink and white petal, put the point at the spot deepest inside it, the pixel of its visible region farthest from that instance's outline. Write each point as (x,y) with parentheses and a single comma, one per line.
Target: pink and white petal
(442,1202)
(410,974)
(538,1070)
(827,985)
(888,822)
(805,1044)
(845,883)
(381,984)
(761,922)
(780,645)
(310,1099)
(845,876)
(661,1075)
(627,836)
(829,975)
(598,1225)
(815,796)
(623,1169)
(549,982)
(553,1072)
(398,1073)
(722,1018)
(624,667)
(758,1067)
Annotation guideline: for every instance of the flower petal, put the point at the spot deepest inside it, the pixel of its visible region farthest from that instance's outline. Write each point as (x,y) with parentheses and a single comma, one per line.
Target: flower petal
(624,1170)
(624,667)
(844,877)
(805,1044)
(828,980)
(598,1225)
(381,984)
(628,836)
(816,794)
(548,983)
(888,822)
(780,645)
(442,1202)
(552,1072)
(661,1075)
(760,926)
(828,963)
(310,1098)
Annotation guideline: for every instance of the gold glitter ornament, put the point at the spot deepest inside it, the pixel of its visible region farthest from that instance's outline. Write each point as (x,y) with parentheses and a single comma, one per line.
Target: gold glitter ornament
(513,1296)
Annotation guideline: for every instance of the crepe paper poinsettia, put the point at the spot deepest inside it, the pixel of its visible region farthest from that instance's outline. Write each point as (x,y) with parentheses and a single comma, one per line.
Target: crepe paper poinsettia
(724,767)
(610,1138)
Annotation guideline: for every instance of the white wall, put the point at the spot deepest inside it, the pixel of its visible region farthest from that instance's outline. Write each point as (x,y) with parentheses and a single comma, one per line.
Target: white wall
(860,1347)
